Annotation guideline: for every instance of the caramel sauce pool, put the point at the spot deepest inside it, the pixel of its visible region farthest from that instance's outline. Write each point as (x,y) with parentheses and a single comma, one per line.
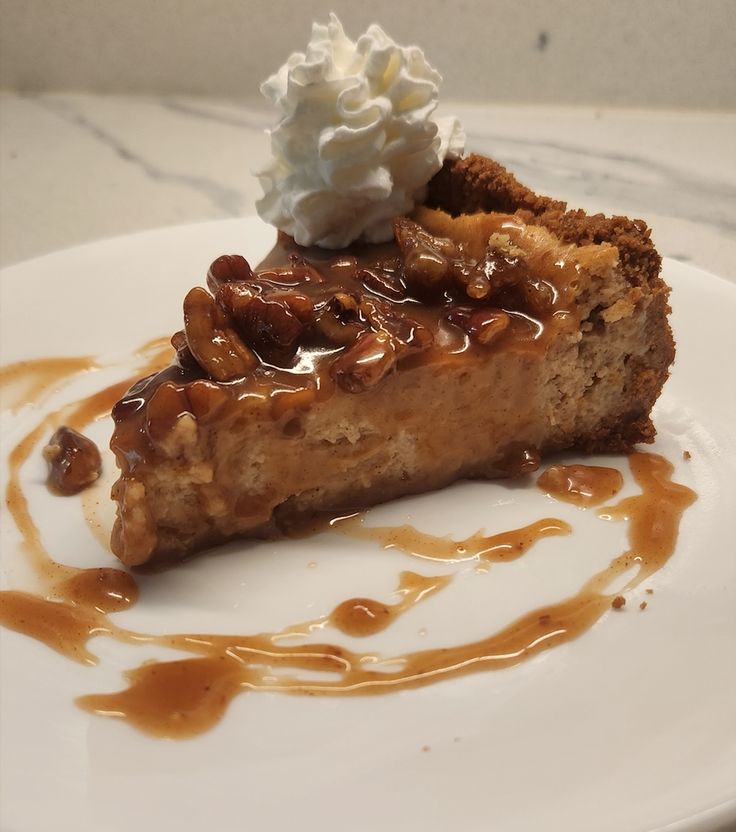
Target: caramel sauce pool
(583,485)
(185,697)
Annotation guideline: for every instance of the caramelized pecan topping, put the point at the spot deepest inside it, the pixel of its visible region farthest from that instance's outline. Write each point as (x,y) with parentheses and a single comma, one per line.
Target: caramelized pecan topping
(212,341)
(365,363)
(427,259)
(229,268)
(358,306)
(270,327)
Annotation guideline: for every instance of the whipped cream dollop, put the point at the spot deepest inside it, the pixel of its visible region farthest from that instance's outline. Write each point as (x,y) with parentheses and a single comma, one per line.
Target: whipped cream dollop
(357,142)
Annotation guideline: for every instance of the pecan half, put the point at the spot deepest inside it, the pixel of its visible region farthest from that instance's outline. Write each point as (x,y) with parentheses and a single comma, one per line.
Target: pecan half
(365,363)
(230,268)
(270,327)
(213,342)
(384,282)
(427,259)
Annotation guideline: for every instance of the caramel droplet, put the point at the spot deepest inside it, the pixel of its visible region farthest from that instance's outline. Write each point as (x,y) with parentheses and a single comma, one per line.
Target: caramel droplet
(583,485)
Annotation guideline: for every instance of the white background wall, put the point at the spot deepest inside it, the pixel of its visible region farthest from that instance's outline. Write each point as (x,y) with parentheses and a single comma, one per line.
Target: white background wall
(649,53)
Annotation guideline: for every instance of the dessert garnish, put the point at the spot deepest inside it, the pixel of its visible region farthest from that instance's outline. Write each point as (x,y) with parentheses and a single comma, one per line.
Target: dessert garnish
(357,141)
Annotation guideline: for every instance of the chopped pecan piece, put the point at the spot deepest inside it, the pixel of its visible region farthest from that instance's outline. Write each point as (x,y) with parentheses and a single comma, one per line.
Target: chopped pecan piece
(496,270)
(365,363)
(483,325)
(184,357)
(538,295)
(339,319)
(408,334)
(205,399)
(213,342)
(297,273)
(426,258)
(74,461)
(344,267)
(270,327)
(230,268)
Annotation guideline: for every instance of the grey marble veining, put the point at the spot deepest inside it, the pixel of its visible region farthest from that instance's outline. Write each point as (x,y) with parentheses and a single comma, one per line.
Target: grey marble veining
(226,199)
(75,167)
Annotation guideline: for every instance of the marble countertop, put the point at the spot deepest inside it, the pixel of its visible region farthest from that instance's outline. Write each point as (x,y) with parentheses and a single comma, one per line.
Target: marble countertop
(78,167)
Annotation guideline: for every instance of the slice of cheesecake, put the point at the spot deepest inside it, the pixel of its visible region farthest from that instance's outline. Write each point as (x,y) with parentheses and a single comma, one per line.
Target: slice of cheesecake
(495,328)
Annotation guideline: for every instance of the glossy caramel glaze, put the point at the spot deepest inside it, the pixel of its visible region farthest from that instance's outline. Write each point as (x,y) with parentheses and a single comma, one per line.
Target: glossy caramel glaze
(310,321)
(583,485)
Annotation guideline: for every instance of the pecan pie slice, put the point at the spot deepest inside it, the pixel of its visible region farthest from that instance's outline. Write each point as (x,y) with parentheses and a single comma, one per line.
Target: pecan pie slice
(497,326)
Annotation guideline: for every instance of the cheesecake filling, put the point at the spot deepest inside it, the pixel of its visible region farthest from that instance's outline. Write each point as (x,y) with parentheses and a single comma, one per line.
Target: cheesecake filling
(308,383)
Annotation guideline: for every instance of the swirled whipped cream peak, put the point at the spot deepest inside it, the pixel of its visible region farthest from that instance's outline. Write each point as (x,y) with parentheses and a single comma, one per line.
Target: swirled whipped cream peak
(357,142)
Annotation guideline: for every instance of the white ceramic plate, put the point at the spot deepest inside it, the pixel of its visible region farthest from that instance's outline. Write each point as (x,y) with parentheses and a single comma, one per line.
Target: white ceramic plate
(631,727)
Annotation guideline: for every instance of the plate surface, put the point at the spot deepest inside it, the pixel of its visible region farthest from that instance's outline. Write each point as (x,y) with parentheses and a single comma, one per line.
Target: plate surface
(632,726)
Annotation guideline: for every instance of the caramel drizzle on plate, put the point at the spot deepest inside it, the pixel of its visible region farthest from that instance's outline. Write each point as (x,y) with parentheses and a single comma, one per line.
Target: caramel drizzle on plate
(185,697)
(27,381)
(497,548)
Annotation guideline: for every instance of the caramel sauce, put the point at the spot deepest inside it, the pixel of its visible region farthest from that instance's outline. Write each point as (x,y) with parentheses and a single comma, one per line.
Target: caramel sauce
(64,627)
(185,697)
(174,699)
(583,485)
(26,381)
(502,547)
(105,590)
(653,516)
(365,616)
